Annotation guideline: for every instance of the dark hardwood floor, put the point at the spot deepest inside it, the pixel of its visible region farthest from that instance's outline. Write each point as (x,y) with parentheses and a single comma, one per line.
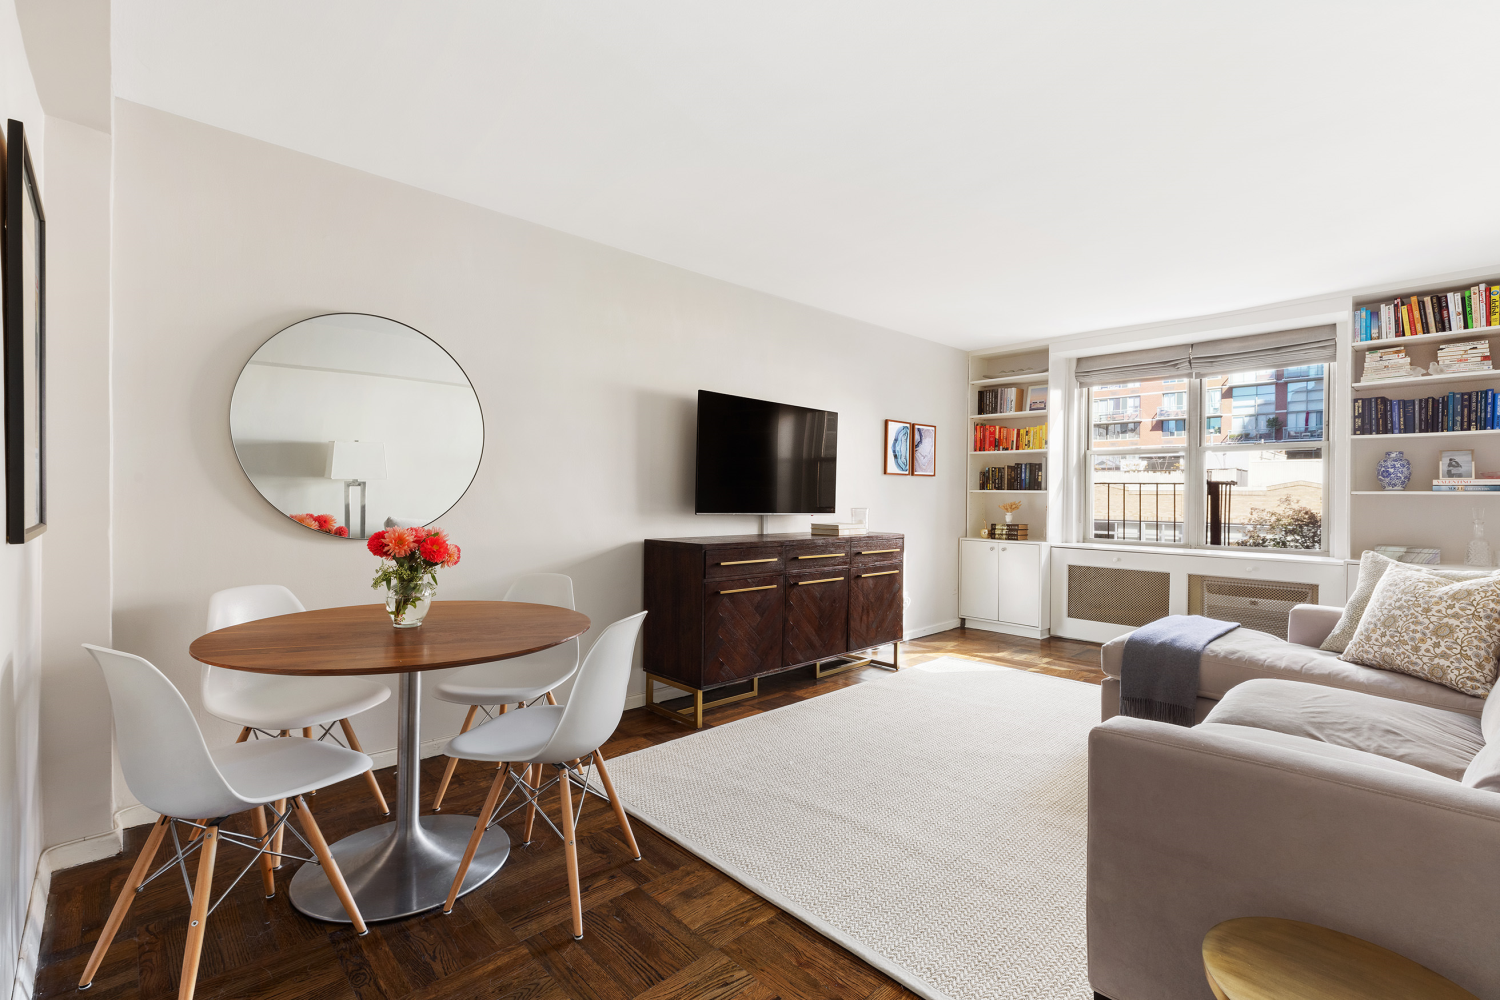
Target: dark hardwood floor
(668,926)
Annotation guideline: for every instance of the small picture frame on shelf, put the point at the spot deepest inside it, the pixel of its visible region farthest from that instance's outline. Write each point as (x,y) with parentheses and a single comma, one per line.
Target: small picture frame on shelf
(1036,398)
(924,449)
(897,448)
(1456,465)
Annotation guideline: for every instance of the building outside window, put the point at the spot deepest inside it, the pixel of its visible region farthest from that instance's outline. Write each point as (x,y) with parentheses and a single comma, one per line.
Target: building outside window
(1251,490)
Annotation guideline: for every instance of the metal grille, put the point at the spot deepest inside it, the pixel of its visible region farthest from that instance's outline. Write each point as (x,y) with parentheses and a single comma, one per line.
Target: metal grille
(1132,597)
(1264,605)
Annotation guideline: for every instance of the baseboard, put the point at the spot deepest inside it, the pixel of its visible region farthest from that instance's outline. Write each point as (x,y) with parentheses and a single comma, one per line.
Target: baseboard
(1005,628)
(76,852)
(920,631)
(134,815)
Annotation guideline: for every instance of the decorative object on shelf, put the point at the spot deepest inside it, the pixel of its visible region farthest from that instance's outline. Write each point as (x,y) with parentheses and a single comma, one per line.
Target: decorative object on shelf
(1456,465)
(923,449)
(897,448)
(410,558)
(984,531)
(1478,553)
(1393,471)
(860,515)
(25,266)
(326,523)
(1010,508)
(1036,398)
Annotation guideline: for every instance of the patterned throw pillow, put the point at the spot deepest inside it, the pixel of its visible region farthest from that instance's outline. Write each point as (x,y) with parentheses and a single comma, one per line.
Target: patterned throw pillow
(1441,631)
(1372,566)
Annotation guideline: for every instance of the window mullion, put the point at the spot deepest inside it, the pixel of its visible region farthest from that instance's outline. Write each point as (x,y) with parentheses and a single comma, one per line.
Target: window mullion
(1193,492)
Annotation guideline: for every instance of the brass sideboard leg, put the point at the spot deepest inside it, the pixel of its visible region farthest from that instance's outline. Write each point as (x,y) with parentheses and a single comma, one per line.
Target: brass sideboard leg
(693,714)
(895,662)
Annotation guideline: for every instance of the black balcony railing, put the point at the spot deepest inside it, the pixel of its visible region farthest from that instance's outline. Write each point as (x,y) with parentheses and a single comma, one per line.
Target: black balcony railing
(1141,512)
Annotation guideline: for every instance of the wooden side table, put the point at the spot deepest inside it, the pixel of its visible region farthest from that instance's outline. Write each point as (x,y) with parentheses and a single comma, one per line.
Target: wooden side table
(1266,958)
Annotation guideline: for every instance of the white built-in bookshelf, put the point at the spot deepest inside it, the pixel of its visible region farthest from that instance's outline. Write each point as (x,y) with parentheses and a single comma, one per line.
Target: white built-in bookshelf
(1415,516)
(1020,371)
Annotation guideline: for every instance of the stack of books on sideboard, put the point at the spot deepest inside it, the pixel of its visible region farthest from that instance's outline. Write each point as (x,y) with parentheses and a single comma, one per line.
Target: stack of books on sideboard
(1473,308)
(1477,410)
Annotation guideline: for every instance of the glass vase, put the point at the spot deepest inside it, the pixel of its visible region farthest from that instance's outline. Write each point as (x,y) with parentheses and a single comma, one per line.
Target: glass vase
(407,604)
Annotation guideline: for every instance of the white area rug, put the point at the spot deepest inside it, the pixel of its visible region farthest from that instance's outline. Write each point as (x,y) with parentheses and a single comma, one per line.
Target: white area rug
(933,822)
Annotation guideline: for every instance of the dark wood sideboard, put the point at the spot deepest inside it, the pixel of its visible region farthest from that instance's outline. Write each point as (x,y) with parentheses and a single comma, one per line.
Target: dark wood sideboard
(730,609)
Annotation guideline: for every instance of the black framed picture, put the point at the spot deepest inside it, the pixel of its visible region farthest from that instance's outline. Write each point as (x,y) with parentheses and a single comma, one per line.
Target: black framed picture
(24,261)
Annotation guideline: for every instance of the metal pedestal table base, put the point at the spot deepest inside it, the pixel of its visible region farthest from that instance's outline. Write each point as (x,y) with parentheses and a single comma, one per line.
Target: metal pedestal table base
(393,876)
(407,866)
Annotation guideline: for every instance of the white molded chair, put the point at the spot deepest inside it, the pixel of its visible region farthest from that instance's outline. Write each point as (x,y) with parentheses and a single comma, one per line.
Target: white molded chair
(516,681)
(565,736)
(171,770)
(274,705)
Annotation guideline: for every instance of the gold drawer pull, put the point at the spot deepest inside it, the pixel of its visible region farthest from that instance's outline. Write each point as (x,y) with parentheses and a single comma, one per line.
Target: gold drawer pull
(809,583)
(745,562)
(876,552)
(886,573)
(828,555)
(746,590)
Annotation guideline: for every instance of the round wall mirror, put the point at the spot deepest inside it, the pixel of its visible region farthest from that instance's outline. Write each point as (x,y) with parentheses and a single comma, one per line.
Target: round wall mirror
(349,423)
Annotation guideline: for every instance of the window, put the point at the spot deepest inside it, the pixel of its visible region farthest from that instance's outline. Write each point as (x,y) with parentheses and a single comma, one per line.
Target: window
(1251,489)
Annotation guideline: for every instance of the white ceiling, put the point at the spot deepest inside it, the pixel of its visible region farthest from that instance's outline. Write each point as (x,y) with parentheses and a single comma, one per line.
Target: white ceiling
(971,172)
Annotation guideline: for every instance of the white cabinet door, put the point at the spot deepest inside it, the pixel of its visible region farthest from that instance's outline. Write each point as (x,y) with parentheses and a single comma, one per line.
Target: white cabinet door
(978,593)
(1019,584)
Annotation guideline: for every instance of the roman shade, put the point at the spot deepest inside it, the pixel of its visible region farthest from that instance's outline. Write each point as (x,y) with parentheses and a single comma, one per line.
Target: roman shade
(1314,345)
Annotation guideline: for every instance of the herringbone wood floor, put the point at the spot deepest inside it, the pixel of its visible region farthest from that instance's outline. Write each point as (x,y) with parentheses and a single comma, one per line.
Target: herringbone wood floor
(668,927)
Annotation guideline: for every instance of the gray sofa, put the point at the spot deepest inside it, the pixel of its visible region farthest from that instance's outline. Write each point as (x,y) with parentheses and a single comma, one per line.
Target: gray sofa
(1349,802)
(1245,654)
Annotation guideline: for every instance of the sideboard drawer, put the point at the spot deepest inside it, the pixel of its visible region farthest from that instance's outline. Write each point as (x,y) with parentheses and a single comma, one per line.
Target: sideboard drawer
(882,553)
(825,553)
(741,560)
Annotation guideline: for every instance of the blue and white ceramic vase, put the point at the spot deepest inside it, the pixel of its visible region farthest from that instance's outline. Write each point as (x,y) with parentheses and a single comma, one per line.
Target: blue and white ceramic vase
(1393,471)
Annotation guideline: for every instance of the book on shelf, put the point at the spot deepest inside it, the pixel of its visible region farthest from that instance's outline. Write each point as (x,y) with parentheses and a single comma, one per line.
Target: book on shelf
(1475,410)
(1009,532)
(990,437)
(1474,308)
(999,400)
(1465,486)
(1021,476)
(1387,362)
(1469,356)
(839,528)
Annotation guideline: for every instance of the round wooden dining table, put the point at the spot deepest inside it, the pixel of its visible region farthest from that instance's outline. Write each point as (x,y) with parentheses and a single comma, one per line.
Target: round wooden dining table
(407,865)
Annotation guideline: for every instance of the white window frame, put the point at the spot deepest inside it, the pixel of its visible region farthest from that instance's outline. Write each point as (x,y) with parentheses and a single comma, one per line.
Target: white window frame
(1194,449)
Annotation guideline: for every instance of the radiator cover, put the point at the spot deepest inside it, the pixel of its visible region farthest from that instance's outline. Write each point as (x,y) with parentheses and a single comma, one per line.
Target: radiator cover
(1130,597)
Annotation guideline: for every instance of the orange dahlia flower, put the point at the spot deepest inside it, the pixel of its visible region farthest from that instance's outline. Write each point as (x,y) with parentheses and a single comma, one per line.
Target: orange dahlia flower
(399,542)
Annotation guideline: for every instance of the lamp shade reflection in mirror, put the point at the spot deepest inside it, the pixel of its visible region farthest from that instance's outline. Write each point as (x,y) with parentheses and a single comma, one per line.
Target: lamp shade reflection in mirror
(346,422)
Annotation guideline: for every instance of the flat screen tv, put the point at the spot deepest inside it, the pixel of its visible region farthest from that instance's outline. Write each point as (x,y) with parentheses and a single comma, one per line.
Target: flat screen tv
(759,457)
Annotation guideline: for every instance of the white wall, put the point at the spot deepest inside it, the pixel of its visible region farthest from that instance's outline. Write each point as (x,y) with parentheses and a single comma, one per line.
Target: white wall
(76,746)
(20,597)
(586,360)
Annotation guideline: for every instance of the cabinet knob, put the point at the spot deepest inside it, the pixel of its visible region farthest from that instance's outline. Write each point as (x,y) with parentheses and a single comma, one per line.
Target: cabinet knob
(1004,549)
(992,548)
(1115,559)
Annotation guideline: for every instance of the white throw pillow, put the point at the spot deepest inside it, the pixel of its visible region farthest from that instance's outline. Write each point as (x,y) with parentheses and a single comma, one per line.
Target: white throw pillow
(1441,631)
(1372,566)
(1484,770)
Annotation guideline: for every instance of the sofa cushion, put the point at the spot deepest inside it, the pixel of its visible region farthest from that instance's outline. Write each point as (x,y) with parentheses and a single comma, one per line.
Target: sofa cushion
(1447,632)
(1318,748)
(1430,738)
(1245,654)
(1489,719)
(1484,770)
(1372,566)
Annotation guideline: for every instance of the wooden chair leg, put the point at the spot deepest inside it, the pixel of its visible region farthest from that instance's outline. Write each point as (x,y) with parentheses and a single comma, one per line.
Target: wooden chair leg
(533,778)
(614,800)
(571,848)
(385,810)
(307,732)
(280,834)
(330,866)
(126,897)
(198,916)
(551,700)
(244,735)
(267,866)
(198,830)
(476,836)
(437,800)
